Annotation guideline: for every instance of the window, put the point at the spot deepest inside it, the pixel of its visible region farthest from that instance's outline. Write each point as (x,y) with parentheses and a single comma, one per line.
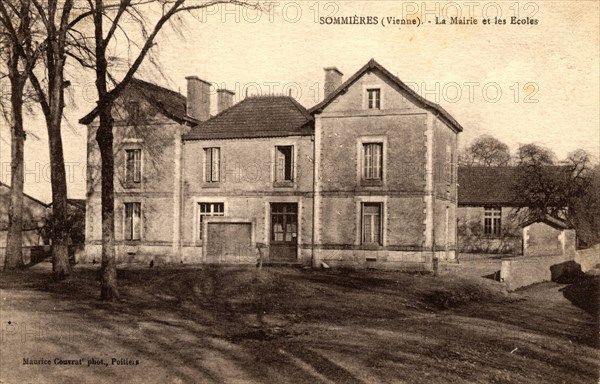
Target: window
(284,219)
(371,223)
(212,161)
(132,229)
(372,161)
(209,209)
(284,163)
(133,167)
(133,110)
(492,221)
(449,169)
(374,98)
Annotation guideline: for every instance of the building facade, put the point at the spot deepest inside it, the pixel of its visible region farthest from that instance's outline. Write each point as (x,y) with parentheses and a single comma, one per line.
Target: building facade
(34,213)
(365,178)
(489,214)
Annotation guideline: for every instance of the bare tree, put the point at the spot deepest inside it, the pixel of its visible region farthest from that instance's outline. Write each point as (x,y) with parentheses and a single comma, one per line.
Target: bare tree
(55,21)
(15,24)
(547,187)
(106,27)
(486,151)
(534,155)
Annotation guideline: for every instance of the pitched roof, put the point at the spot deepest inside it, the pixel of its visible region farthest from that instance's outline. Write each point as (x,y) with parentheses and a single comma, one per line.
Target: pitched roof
(552,221)
(487,186)
(480,186)
(25,195)
(258,116)
(408,92)
(77,203)
(170,103)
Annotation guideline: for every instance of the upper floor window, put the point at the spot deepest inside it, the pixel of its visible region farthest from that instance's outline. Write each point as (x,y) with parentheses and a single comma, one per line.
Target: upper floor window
(492,221)
(212,161)
(209,209)
(374,98)
(133,167)
(449,165)
(132,228)
(371,223)
(372,161)
(133,110)
(284,163)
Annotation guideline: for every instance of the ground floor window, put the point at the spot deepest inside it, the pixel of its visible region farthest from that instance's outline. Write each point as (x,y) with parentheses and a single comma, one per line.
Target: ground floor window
(284,219)
(207,210)
(371,223)
(492,221)
(132,228)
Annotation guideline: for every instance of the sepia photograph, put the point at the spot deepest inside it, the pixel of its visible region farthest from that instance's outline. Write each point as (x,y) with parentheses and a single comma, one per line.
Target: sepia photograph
(299,191)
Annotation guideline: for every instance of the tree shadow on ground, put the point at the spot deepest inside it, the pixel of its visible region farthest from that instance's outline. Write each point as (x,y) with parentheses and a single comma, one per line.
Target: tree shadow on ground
(585,294)
(290,326)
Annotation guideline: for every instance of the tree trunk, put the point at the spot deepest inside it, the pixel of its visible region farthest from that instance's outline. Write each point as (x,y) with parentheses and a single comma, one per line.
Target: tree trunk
(104,137)
(61,267)
(14,244)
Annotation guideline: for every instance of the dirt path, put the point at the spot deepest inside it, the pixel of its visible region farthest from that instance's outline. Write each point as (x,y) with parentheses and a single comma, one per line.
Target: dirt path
(291,326)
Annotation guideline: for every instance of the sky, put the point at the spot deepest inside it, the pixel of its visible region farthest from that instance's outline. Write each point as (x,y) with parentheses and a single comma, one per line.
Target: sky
(521,83)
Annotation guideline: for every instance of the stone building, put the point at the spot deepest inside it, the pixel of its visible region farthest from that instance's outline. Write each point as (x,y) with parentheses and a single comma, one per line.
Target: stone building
(365,178)
(34,212)
(488,210)
(491,209)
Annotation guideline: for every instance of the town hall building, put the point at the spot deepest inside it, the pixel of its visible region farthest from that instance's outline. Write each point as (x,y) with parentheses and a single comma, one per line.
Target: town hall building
(365,178)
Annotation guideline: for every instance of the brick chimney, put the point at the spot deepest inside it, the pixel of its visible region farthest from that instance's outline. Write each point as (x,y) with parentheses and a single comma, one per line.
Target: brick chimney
(224,99)
(198,98)
(333,79)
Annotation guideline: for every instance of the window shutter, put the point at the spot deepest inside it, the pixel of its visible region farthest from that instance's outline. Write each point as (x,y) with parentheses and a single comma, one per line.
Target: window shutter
(216,159)
(129,167)
(377,161)
(368,159)
(136,222)
(128,221)
(290,168)
(207,164)
(137,165)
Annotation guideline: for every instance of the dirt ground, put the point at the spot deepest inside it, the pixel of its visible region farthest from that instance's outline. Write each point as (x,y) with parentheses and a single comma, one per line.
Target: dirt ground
(291,325)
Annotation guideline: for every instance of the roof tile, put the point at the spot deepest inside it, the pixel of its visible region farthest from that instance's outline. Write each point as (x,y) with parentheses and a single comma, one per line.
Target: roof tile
(262,116)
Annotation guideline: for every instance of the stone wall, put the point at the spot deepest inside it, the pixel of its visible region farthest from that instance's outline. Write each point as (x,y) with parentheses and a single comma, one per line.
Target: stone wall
(523,271)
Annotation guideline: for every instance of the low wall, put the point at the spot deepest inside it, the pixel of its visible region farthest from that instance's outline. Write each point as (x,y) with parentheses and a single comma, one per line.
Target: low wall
(588,258)
(379,259)
(523,271)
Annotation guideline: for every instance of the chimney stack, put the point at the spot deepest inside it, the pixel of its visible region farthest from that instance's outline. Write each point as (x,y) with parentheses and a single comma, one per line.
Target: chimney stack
(333,79)
(224,99)
(198,98)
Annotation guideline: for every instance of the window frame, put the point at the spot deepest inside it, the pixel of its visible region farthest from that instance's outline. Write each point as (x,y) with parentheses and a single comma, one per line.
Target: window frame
(380,222)
(360,161)
(130,237)
(373,86)
(373,167)
(292,165)
(200,215)
(130,182)
(374,104)
(209,176)
(493,215)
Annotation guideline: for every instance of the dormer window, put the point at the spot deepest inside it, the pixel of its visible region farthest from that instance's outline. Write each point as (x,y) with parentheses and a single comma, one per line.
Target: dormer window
(374,98)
